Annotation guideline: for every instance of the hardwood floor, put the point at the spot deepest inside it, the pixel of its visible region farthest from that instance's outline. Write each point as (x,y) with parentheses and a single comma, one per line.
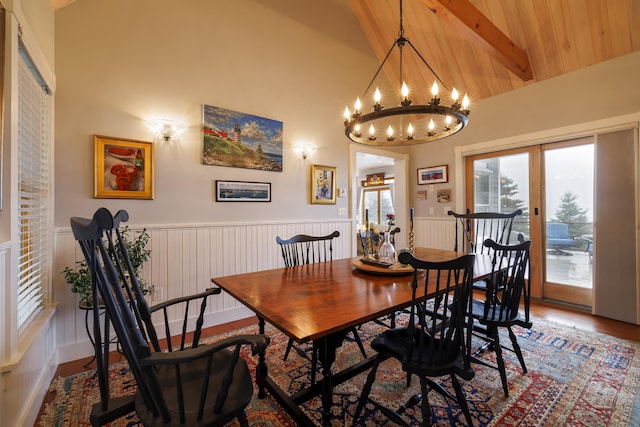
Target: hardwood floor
(566,315)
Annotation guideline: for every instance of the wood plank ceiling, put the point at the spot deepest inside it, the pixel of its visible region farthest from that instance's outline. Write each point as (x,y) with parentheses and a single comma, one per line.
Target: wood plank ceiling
(473,44)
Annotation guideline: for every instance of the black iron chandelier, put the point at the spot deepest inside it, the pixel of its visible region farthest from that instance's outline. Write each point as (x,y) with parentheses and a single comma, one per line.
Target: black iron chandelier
(406,124)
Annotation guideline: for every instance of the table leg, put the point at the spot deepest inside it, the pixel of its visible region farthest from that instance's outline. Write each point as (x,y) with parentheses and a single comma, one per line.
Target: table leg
(326,348)
(262,371)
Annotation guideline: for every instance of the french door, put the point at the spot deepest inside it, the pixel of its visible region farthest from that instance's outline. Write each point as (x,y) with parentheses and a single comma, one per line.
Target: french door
(553,185)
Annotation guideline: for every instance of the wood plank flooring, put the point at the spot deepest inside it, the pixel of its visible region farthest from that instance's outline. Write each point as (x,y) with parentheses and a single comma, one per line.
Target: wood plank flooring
(566,315)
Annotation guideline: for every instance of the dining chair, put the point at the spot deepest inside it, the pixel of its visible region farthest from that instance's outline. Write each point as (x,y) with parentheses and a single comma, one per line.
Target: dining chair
(304,249)
(429,347)
(472,229)
(182,384)
(508,291)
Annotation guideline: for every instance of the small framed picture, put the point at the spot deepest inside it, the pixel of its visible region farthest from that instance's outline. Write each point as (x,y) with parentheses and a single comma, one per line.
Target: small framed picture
(433,175)
(243,191)
(444,195)
(123,168)
(323,185)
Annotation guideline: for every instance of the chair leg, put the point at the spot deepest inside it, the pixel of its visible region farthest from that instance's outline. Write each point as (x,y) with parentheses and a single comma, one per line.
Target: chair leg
(500,361)
(425,407)
(366,390)
(517,350)
(314,365)
(359,342)
(462,401)
(242,419)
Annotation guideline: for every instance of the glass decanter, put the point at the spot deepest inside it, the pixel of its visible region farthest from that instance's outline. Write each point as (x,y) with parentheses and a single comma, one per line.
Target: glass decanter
(387,252)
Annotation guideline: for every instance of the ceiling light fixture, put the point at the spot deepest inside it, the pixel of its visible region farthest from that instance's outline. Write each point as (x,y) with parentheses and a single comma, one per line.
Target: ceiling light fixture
(406,124)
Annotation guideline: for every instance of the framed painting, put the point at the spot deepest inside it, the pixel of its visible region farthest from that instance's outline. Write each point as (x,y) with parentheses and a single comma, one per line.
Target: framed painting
(243,191)
(323,185)
(123,168)
(375,179)
(433,175)
(239,140)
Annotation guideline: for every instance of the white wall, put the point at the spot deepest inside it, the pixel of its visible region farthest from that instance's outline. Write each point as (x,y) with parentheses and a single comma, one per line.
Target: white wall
(121,62)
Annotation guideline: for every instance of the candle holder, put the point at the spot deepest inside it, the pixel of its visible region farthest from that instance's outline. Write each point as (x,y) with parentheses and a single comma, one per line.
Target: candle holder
(411,236)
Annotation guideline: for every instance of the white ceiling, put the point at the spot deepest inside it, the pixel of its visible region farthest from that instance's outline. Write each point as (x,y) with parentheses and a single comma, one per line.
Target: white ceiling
(372,163)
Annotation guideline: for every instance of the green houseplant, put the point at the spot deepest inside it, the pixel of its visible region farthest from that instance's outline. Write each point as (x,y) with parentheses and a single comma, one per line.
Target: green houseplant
(80,278)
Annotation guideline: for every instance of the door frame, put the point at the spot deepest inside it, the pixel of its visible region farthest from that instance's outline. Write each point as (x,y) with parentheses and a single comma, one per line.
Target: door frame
(401,189)
(587,129)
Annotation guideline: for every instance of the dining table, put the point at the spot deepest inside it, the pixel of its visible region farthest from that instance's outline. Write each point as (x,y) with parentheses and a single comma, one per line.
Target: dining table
(320,303)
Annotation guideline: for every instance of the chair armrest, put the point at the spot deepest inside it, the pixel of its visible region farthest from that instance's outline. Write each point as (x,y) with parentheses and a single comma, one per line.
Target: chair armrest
(258,345)
(205,294)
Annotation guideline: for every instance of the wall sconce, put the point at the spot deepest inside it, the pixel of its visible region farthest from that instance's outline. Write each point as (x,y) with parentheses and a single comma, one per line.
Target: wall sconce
(304,150)
(165,130)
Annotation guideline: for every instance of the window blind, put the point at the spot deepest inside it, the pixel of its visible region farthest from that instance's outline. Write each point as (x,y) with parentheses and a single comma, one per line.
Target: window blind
(33,191)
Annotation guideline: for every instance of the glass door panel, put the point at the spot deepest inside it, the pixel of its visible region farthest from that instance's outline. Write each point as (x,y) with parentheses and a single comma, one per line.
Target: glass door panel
(553,184)
(501,184)
(569,215)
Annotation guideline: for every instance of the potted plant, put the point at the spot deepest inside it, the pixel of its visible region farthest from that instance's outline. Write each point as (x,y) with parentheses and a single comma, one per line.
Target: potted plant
(80,278)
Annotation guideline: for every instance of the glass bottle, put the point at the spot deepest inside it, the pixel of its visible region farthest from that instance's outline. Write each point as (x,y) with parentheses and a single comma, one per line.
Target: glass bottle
(387,252)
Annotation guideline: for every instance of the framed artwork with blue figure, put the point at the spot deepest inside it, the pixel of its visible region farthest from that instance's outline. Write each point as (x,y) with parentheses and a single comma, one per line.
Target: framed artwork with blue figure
(323,185)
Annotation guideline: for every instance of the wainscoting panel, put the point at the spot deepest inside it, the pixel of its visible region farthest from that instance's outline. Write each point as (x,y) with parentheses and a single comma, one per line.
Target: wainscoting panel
(436,233)
(184,258)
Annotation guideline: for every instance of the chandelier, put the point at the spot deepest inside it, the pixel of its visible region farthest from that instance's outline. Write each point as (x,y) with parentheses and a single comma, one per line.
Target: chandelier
(405,124)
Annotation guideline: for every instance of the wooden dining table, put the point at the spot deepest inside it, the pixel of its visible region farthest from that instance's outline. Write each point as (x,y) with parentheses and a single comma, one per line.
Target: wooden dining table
(320,303)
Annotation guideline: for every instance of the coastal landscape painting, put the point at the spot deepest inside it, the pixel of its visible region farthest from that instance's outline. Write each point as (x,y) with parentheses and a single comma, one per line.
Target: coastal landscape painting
(243,191)
(240,140)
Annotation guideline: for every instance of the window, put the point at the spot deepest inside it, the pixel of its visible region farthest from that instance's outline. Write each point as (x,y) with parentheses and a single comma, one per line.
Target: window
(33,190)
(379,202)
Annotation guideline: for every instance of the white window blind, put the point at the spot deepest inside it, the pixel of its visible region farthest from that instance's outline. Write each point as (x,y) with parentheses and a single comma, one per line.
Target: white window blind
(33,191)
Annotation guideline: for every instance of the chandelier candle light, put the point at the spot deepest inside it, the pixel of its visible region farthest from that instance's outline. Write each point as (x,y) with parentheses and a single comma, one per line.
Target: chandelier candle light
(406,124)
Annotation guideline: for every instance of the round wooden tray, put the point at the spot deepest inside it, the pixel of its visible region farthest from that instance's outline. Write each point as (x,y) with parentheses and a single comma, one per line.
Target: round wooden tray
(396,269)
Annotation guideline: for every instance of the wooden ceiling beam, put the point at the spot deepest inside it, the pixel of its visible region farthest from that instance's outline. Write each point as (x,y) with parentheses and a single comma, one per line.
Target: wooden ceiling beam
(469,21)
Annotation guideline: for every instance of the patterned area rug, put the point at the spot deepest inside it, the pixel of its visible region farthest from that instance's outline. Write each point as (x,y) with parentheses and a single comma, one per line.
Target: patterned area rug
(575,378)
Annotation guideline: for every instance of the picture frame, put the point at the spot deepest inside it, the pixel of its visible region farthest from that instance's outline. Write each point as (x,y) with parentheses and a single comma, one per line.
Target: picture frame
(123,168)
(433,175)
(444,195)
(241,140)
(375,179)
(242,191)
(323,185)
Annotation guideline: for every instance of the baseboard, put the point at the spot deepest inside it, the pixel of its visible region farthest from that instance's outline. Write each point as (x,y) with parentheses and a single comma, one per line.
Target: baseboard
(81,349)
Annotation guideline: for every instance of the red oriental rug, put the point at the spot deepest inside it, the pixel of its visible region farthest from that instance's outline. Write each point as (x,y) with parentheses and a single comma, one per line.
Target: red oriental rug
(575,378)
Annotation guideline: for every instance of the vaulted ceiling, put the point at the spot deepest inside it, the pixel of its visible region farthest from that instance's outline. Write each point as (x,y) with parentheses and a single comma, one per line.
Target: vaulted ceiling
(488,47)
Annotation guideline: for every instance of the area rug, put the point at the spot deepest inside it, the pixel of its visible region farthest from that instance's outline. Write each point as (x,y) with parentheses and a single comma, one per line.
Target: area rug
(575,378)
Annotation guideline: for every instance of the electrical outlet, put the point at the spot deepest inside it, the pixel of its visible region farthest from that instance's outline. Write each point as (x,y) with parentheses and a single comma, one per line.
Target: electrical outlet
(447,209)
(158,294)
(431,210)
(342,211)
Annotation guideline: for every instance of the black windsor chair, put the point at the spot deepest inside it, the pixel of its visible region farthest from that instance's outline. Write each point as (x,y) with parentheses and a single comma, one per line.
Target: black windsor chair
(185,385)
(303,249)
(430,347)
(508,289)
